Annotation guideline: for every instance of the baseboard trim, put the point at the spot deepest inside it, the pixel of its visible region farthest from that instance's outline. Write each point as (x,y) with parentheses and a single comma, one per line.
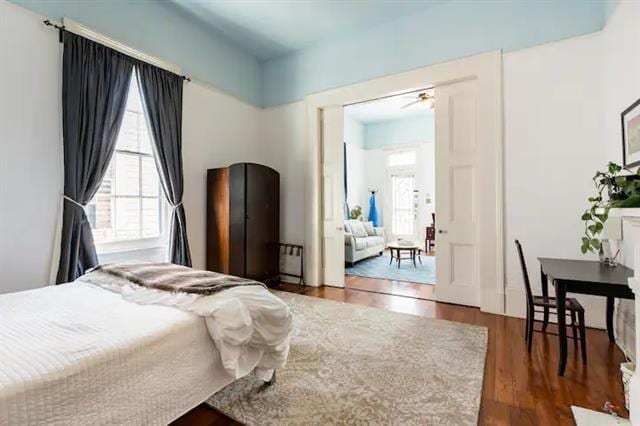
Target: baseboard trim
(492,302)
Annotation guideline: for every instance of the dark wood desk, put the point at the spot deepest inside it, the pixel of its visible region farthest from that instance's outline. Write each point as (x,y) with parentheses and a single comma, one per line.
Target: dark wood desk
(582,277)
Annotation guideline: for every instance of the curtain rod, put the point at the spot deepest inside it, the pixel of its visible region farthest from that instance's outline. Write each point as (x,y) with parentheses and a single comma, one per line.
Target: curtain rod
(62,28)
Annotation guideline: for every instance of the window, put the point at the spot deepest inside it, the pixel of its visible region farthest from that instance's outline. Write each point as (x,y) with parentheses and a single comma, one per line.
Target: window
(128,211)
(401,158)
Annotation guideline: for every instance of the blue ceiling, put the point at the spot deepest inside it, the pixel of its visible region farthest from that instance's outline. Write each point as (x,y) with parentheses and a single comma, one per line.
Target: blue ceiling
(268,29)
(270,52)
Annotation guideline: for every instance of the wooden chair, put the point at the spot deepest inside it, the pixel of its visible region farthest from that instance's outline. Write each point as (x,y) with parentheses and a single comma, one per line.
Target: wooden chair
(573,309)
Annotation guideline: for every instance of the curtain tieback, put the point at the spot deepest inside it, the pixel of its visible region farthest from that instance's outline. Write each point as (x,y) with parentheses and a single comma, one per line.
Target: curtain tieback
(72,200)
(177,205)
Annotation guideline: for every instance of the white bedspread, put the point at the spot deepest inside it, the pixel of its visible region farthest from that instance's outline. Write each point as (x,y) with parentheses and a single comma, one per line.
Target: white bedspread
(78,354)
(249,325)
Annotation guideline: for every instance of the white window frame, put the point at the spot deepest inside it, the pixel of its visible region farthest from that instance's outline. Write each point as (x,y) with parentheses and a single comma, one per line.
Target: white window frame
(138,243)
(409,169)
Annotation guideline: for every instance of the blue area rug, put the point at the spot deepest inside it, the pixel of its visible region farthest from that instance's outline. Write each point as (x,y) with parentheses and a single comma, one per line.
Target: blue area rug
(378,267)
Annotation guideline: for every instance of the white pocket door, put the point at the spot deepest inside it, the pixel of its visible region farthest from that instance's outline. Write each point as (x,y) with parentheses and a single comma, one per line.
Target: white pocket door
(333,196)
(457,259)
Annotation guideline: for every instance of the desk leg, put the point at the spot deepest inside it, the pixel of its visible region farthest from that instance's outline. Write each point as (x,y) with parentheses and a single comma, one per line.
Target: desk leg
(545,293)
(610,309)
(561,294)
(391,260)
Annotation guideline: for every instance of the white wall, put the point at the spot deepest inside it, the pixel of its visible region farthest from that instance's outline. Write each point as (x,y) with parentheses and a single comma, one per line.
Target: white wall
(353,130)
(426,185)
(357,194)
(552,147)
(621,87)
(217,130)
(30,147)
(408,130)
(621,76)
(281,145)
(356,163)
(376,178)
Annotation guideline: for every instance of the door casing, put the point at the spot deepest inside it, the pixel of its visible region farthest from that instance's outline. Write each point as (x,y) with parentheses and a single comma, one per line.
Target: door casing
(486,69)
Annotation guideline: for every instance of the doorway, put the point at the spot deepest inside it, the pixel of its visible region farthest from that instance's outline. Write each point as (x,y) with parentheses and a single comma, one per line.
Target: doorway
(468,168)
(389,175)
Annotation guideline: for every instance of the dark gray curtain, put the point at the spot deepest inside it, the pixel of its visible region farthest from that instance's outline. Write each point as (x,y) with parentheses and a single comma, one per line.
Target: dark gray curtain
(162,95)
(95,82)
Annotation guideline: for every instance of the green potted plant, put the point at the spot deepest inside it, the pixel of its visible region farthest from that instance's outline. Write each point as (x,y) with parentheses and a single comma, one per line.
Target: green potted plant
(616,187)
(356,213)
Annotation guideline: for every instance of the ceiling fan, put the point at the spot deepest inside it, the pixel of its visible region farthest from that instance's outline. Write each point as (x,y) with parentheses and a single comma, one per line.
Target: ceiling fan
(423,98)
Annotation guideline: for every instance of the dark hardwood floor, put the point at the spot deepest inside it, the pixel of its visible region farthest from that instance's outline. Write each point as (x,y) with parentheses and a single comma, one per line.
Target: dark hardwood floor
(519,389)
(392,287)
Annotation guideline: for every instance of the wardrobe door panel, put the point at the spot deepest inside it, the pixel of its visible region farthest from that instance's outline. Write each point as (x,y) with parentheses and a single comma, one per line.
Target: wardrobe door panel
(262,226)
(237,219)
(273,212)
(218,220)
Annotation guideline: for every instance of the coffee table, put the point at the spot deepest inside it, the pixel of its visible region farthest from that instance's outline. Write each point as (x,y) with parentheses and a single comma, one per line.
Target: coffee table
(412,249)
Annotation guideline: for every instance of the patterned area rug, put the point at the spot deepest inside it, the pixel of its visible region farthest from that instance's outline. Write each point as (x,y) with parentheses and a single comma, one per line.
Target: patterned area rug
(378,267)
(352,364)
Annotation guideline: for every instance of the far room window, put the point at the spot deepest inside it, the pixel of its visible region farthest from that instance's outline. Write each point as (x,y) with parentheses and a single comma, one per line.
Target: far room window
(401,169)
(129,211)
(403,213)
(401,158)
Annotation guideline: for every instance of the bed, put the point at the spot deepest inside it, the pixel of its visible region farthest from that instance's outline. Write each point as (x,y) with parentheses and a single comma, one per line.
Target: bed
(81,354)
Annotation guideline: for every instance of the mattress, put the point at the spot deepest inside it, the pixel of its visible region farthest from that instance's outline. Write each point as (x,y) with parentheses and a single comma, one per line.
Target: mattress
(79,354)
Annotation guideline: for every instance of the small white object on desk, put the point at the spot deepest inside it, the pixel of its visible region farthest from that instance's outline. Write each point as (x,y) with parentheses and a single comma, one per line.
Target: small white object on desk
(585,417)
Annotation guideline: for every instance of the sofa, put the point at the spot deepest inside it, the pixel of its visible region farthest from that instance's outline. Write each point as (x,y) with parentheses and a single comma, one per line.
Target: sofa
(362,240)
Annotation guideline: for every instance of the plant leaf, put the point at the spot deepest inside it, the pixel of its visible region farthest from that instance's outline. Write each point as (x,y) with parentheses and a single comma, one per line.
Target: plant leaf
(613,168)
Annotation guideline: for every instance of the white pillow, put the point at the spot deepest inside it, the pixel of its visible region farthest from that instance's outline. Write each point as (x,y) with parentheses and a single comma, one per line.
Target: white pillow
(347,227)
(368,226)
(357,229)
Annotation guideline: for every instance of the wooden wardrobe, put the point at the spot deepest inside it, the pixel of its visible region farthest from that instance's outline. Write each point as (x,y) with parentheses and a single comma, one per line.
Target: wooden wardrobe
(243,221)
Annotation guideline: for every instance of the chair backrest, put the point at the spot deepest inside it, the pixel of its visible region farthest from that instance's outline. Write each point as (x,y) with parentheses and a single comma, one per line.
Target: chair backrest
(525,274)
